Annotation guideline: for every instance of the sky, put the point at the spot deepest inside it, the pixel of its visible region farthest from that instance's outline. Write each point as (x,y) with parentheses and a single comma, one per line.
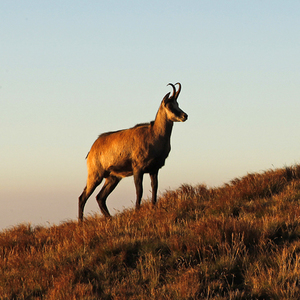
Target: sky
(71,70)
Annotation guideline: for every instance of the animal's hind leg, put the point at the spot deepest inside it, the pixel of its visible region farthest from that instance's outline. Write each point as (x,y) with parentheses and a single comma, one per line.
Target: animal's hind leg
(88,190)
(110,183)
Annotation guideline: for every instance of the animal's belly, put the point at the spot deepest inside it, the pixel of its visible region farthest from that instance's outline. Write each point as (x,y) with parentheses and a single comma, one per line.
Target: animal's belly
(121,173)
(123,170)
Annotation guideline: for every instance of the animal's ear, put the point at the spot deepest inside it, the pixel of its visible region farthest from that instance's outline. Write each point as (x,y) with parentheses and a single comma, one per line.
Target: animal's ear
(166,99)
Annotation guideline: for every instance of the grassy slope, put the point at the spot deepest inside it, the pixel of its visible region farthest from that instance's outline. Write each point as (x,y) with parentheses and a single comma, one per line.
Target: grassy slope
(239,241)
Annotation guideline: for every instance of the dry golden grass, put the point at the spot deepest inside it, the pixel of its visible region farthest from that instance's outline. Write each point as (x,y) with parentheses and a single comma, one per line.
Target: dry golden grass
(238,241)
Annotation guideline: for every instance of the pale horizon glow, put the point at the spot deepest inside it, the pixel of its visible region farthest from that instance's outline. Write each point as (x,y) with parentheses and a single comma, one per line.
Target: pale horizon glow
(72,70)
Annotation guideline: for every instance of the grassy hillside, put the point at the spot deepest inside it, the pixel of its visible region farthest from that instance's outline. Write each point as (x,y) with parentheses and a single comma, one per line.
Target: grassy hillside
(238,241)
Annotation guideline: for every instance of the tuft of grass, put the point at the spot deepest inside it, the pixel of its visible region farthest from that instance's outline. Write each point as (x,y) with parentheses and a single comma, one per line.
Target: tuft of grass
(237,241)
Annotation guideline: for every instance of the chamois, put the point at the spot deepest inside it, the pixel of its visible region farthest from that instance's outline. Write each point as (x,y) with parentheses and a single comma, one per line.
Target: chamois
(134,151)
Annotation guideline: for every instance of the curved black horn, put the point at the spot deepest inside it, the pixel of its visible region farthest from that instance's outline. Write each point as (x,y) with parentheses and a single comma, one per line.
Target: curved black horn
(174,89)
(179,89)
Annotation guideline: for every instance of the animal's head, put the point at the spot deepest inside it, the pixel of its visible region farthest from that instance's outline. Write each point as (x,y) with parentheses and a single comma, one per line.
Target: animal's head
(174,113)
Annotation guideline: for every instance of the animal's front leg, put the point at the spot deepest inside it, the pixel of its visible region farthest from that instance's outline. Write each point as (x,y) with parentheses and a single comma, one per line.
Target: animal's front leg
(138,181)
(154,185)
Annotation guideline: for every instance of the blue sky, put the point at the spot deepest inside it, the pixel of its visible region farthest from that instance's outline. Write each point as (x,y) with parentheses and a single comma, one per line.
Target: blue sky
(71,70)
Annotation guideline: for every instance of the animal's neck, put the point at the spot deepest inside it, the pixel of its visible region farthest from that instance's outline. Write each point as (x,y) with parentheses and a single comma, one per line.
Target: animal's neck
(162,127)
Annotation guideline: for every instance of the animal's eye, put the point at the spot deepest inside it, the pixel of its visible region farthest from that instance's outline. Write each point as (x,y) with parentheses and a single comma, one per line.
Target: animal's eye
(170,105)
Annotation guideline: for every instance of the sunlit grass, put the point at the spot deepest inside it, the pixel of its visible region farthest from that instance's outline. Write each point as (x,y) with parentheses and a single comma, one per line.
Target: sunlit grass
(238,241)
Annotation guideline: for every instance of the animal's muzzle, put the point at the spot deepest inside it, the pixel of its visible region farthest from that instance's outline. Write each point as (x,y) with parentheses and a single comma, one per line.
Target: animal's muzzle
(184,117)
